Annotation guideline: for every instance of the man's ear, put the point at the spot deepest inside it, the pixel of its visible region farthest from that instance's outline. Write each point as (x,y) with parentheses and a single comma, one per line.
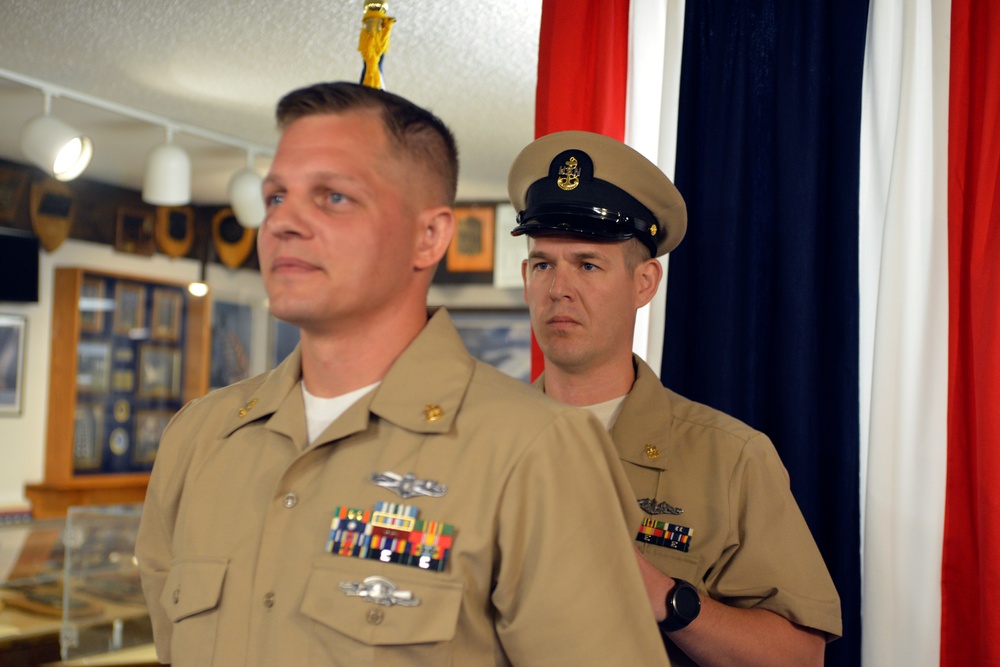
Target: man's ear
(647,280)
(435,227)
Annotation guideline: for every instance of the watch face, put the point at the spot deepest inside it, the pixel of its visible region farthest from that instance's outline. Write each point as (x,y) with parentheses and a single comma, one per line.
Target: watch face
(687,602)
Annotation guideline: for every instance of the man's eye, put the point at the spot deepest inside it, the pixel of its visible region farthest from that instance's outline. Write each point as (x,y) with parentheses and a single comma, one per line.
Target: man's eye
(336,198)
(541,266)
(272,200)
(587,266)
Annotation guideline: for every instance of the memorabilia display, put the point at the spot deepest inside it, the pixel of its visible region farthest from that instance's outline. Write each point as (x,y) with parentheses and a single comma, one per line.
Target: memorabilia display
(127,353)
(73,583)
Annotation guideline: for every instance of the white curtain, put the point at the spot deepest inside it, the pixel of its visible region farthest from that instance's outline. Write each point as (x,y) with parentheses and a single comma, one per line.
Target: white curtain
(904,329)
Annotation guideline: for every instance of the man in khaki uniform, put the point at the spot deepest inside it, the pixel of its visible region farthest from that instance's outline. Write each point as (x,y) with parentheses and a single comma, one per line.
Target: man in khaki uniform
(381,498)
(730,566)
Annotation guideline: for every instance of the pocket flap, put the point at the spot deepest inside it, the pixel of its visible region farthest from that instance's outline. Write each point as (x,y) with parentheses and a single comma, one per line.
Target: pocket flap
(193,586)
(434,619)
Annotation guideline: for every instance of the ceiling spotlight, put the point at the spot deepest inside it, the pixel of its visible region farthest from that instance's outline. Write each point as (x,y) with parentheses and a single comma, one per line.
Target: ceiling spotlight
(54,146)
(167,181)
(246,196)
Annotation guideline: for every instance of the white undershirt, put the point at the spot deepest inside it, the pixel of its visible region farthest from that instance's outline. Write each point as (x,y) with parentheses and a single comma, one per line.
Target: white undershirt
(607,411)
(321,412)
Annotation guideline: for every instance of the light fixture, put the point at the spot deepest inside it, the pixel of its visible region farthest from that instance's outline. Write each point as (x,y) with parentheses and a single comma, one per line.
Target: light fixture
(167,181)
(54,146)
(246,197)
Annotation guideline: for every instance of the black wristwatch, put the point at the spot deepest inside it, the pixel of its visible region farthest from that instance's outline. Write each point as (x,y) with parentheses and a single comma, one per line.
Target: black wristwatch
(683,606)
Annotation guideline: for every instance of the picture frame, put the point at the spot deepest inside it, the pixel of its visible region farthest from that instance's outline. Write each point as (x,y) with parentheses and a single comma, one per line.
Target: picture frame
(501,338)
(12,342)
(232,329)
(159,372)
(471,248)
(168,305)
(92,305)
(130,307)
(88,436)
(149,426)
(93,367)
(284,338)
(12,186)
(134,232)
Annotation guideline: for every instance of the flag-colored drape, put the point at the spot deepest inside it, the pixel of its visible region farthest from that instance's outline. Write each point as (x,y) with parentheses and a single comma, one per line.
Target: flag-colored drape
(582,76)
(971,560)
(762,300)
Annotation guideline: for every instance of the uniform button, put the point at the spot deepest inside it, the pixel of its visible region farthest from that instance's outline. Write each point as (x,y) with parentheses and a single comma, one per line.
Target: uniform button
(269,600)
(375,616)
(176,596)
(290,500)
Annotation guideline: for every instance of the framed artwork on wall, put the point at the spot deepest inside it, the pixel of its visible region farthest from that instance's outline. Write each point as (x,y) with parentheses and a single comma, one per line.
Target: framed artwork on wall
(12,337)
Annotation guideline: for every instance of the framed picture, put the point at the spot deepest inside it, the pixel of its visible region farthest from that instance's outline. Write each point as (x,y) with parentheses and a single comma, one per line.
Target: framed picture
(134,232)
(471,248)
(12,337)
(93,367)
(149,425)
(12,185)
(88,435)
(130,307)
(284,338)
(167,307)
(498,337)
(92,305)
(232,324)
(159,372)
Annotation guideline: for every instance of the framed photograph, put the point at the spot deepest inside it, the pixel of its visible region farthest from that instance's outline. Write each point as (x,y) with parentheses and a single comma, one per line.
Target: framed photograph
(284,338)
(149,425)
(12,338)
(232,324)
(471,248)
(498,337)
(130,307)
(12,185)
(159,372)
(134,232)
(168,306)
(92,305)
(88,435)
(93,367)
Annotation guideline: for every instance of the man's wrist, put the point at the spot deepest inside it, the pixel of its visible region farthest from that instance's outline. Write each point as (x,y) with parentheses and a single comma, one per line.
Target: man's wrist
(683,606)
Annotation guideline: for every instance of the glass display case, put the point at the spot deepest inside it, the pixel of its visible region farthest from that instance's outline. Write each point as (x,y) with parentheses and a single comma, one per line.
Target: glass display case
(70,589)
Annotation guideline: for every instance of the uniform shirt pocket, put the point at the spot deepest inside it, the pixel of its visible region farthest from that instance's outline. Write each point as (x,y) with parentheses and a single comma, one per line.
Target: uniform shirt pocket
(193,586)
(433,619)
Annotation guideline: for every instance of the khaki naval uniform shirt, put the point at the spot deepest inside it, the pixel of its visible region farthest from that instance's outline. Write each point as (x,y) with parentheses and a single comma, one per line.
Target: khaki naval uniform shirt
(749,545)
(232,541)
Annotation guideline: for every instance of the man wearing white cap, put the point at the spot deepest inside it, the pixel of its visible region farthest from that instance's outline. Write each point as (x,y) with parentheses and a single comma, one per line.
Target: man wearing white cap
(730,567)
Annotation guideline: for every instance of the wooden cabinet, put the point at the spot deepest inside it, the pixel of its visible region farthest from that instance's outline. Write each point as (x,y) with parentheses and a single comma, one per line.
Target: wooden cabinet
(127,353)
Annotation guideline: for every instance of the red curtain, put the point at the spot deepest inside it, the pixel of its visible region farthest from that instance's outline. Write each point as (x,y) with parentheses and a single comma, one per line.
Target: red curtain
(970,613)
(582,76)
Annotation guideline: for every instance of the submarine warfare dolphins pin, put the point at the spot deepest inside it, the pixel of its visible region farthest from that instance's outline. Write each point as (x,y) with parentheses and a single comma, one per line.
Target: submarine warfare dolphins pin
(408,485)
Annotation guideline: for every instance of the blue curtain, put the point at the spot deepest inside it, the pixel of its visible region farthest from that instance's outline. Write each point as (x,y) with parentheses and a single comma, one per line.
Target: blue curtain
(762,304)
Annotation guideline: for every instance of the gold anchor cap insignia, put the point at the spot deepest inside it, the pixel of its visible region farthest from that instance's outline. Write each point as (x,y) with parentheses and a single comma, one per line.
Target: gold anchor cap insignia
(569,175)
(246,408)
(652,452)
(652,230)
(433,412)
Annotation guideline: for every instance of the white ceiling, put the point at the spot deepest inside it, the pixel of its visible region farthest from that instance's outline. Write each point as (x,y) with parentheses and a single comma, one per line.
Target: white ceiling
(221,65)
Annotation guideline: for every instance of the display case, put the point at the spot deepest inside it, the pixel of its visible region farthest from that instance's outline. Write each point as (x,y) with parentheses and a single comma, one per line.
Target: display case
(70,589)
(127,353)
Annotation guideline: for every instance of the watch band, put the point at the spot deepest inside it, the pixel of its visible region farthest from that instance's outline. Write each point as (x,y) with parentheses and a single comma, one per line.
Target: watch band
(683,606)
